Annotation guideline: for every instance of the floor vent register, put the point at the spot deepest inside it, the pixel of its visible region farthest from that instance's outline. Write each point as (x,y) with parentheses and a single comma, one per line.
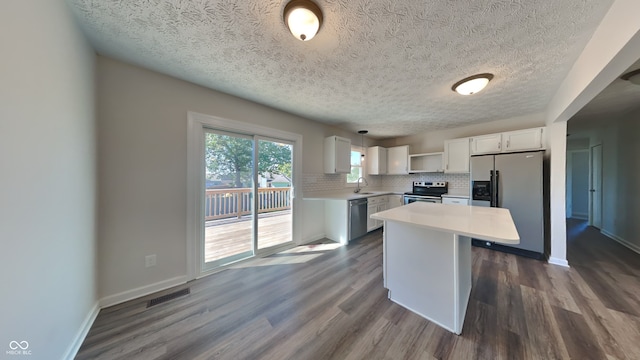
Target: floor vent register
(165,298)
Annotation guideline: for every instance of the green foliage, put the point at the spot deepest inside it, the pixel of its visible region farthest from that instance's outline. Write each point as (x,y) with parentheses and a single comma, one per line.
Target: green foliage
(230,157)
(274,158)
(354,175)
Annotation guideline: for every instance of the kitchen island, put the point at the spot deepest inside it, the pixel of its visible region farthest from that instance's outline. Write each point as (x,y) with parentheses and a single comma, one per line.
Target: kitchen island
(427,255)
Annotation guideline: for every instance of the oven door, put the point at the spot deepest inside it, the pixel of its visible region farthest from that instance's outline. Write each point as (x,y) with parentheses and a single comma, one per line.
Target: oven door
(408,199)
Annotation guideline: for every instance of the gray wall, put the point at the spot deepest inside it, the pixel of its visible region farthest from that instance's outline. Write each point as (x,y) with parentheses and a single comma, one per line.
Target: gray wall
(47,187)
(618,136)
(621,176)
(142,127)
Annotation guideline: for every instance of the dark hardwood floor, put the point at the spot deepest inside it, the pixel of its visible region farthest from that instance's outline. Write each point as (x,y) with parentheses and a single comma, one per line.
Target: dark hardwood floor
(322,302)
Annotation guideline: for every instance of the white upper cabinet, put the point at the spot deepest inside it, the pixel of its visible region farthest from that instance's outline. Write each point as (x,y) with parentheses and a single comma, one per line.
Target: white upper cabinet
(511,141)
(398,160)
(486,144)
(529,139)
(456,155)
(337,155)
(376,160)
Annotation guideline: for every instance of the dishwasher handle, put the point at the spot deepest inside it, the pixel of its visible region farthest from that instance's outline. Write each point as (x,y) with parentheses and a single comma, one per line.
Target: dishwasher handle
(358,202)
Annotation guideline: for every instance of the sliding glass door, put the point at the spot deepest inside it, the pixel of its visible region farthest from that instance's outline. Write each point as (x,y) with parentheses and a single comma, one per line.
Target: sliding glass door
(228,215)
(275,185)
(248,196)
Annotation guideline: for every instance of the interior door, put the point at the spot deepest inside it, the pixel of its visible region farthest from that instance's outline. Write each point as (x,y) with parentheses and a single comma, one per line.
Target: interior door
(595,199)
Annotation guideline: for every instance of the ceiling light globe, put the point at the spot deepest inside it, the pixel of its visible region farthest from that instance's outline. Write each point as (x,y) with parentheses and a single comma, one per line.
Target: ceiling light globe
(472,86)
(303,23)
(635,79)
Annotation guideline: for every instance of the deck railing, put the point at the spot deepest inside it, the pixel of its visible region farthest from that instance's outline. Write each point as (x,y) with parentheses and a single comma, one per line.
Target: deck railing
(228,203)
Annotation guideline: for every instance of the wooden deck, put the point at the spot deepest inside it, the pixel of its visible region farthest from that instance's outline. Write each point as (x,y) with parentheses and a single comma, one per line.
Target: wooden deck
(224,238)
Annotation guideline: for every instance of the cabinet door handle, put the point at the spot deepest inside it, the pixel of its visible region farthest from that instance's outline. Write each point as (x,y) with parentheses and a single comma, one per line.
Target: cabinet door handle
(508,143)
(499,145)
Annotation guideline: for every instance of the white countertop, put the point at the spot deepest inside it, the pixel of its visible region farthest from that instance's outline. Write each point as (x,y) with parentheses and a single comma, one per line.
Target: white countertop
(484,223)
(346,195)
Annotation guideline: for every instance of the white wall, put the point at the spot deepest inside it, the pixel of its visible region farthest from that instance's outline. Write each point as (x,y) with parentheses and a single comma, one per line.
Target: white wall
(47,187)
(142,127)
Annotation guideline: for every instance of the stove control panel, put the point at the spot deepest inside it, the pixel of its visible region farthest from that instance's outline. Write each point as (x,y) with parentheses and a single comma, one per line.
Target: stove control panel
(430,183)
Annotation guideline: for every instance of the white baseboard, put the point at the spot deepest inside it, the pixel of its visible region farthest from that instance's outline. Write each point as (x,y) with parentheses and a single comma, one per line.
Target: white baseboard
(558,261)
(312,238)
(141,291)
(72,351)
(623,242)
(580,216)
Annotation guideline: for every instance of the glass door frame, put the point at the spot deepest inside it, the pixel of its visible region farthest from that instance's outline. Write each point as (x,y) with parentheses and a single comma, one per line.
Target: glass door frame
(269,250)
(196,125)
(207,266)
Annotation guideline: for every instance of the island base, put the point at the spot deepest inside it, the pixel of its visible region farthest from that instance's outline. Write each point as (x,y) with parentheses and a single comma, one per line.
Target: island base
(428,272)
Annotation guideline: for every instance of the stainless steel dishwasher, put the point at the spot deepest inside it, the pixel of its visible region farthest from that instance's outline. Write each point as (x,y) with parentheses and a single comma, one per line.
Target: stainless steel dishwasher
(357,218)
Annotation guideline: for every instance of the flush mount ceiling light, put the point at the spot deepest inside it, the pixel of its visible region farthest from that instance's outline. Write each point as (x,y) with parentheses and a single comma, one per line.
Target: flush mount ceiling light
(303,18)
(472,84)
(632,76)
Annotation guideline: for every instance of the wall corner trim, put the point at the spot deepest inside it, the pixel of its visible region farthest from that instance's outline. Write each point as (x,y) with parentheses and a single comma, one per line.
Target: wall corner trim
(558,261)
(72,351)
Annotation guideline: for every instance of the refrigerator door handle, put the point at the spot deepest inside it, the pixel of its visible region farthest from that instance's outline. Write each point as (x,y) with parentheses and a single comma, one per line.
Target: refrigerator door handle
(491,190)
(497,185)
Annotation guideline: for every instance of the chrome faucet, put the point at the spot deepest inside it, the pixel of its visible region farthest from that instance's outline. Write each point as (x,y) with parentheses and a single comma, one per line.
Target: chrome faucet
(357,190)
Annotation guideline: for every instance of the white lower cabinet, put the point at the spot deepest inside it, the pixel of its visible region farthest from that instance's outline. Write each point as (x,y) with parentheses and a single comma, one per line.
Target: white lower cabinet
(371,223)
(376,204)
(394,201)
(455,201)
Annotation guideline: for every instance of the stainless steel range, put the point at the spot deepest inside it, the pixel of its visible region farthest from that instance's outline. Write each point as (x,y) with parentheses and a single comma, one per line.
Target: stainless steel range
(426,191)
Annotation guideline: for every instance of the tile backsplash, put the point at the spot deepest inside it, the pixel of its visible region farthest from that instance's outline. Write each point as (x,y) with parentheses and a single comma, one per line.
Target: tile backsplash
(327,182)
(456,181)
(312,182)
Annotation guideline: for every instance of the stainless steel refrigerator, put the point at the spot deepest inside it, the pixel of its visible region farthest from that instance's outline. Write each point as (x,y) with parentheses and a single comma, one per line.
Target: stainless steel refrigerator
(515,182)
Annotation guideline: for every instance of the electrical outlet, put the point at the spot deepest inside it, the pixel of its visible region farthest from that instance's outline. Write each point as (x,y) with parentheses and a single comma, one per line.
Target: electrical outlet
(150,260)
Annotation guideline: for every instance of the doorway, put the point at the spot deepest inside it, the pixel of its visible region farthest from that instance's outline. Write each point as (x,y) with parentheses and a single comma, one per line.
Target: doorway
(595,186)
(578,184)
(241,182)
(248,188)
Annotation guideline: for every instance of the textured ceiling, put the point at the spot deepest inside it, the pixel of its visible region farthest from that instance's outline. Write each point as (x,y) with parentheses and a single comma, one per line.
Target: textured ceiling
(385,66)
